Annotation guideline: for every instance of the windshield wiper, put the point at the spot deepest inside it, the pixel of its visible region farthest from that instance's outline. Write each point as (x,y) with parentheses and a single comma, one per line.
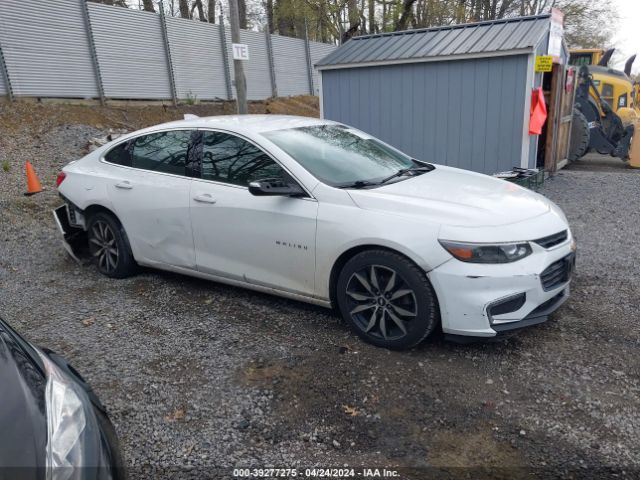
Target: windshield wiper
(404,171)
(424,167)
(358,184)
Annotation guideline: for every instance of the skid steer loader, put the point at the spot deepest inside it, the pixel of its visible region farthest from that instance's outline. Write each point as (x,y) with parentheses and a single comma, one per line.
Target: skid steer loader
(615,86)
(599,127)
(605,110)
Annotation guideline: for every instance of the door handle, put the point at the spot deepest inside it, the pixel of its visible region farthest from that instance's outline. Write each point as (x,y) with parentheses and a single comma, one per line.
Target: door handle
(204,198)
(124,185)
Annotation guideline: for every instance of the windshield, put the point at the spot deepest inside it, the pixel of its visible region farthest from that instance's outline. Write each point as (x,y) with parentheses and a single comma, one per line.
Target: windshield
(339,156)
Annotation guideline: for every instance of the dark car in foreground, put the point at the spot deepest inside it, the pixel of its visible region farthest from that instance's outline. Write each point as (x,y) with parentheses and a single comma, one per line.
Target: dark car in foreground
(52,424)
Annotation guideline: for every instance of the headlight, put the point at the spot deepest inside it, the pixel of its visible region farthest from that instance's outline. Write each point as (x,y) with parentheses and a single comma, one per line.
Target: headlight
(487,253)
(72,431)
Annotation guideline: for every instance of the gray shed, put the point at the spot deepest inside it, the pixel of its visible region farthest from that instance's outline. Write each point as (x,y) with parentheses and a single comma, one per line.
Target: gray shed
(457,95)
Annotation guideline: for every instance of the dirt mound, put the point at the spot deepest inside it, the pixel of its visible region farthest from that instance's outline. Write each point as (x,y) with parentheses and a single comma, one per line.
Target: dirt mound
(42,116)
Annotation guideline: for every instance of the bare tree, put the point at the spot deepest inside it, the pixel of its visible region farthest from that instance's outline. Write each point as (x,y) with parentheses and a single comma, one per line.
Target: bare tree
(372,16)
(197,4)
(285,18)
(242,13)
(587,22)
(211,11)
(184,8)
(402,22)
(268,6)
(354,20)
(147,6)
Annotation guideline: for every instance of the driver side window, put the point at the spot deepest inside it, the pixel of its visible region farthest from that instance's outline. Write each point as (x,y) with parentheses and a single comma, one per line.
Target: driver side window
(230,159)
(162,152)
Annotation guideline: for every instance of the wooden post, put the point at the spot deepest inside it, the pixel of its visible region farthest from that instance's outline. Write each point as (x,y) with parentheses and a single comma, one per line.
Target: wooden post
(238,67)
(225,58)
(565,118)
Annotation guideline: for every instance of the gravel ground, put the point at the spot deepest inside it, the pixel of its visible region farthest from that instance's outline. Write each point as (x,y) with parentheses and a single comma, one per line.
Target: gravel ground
(197,374)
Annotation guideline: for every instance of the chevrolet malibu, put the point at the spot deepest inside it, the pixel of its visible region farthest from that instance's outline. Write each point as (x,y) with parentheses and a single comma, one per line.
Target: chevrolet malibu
(320,212)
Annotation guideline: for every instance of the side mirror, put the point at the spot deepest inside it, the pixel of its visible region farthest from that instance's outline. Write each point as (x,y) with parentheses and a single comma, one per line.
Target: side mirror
(275,187)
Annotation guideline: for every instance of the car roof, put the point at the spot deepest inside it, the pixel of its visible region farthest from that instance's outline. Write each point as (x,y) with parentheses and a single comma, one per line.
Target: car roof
(253,123)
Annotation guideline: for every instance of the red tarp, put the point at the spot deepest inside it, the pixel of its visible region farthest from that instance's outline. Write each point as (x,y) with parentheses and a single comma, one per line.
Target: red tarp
(538,112)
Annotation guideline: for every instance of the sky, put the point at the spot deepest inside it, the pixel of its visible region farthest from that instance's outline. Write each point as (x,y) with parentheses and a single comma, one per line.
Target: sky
(627,40)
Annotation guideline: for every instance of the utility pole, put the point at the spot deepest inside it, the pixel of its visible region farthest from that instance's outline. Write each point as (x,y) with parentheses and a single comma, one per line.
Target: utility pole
(238,67)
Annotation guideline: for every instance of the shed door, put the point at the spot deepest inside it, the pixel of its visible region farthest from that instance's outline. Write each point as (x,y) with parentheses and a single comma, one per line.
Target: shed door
(561,100)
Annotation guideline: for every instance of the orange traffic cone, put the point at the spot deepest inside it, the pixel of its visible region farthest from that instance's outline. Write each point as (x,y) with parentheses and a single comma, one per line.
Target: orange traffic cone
(33,184)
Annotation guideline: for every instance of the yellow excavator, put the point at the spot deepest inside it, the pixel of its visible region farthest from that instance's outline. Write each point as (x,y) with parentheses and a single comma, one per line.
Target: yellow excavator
(607,105)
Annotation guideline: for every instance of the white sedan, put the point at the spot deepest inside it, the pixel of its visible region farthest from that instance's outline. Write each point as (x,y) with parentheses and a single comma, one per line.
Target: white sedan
(320,212)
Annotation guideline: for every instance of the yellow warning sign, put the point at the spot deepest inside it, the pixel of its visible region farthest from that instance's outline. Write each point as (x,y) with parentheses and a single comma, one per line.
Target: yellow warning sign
(544,63)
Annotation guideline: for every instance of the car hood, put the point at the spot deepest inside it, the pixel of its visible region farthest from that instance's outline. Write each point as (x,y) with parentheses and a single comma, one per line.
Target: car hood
(22,410)
(451,196)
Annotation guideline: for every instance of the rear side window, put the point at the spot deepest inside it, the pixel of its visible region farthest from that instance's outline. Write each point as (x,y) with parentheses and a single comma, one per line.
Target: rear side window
(162,152)
(120,155)
(230,159)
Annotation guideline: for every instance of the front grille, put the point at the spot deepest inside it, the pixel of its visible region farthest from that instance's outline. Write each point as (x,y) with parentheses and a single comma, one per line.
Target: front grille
(552,240)
(557,273)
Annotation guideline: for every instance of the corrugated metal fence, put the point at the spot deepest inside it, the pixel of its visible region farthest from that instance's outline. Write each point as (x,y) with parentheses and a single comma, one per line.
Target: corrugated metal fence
(78,49)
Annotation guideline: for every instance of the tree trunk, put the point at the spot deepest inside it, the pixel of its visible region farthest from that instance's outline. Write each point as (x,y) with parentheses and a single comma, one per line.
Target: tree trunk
(147,6)
(384,16)
(184,9)
(285,22)
(402,22)
(242,13)
(354,15)
(269,12)
(372,16)
(238,66)
(211,11)
(461,11)
(198,4)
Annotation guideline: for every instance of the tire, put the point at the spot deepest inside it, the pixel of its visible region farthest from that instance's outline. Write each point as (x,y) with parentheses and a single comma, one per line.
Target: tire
(579,143)
(399,312)
(109,246)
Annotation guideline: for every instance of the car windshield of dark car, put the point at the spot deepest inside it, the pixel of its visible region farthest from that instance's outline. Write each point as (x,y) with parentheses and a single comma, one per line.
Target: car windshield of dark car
(339,156)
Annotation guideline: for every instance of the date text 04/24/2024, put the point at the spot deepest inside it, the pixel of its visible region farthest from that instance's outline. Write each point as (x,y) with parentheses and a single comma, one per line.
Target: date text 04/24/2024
(314,473)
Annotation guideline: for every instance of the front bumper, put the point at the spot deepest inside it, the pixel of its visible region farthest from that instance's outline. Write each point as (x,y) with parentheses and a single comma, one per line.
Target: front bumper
(468,292)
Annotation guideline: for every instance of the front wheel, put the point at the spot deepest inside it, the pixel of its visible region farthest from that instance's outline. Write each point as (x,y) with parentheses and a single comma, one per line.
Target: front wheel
(109,246)
(387,299)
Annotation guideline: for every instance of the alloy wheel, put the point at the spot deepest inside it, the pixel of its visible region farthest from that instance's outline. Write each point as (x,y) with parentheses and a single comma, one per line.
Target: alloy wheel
(104,247)
(380,302)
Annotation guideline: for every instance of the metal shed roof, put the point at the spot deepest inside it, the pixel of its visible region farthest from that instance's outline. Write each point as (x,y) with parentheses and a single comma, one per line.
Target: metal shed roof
(470,39)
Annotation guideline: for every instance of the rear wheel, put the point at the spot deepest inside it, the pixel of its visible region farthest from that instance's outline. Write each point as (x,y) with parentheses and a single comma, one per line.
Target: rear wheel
(109,246)
(387,299)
